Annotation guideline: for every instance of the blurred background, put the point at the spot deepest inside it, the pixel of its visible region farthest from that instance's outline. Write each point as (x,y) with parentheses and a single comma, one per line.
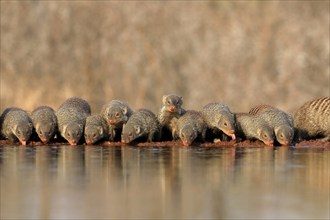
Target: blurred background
(240,53)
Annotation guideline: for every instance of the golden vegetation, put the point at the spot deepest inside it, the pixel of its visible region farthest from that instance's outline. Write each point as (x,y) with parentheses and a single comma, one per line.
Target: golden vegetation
(241,53)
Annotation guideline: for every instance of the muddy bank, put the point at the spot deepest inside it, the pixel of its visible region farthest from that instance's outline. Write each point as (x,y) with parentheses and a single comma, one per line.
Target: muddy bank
(253,144)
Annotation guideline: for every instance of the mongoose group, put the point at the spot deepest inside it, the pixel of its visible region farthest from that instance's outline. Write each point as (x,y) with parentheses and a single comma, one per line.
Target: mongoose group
(73,122)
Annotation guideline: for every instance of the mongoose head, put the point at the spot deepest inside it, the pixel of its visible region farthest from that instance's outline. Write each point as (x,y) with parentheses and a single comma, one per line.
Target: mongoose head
(23,131)
(266,135)
(45,131)
(93,133)
(72,133)
(116,116)
(227,125)
(187,134)
(284,134)
(173,103)
(130,133)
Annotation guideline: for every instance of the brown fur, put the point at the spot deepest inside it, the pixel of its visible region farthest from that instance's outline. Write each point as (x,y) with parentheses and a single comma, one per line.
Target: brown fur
(312,119)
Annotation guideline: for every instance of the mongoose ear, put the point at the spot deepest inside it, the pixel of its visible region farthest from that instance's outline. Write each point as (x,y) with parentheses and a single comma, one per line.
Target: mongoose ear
(259,131)
(14,129)
(181,98)
(124,109)
(37,126)
(100,129)
(137,129)
(30,125)
(64,128)
(164,99)
(180,132)
(276,129)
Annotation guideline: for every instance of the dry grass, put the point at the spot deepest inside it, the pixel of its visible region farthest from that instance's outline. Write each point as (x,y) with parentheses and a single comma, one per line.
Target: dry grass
(241,53)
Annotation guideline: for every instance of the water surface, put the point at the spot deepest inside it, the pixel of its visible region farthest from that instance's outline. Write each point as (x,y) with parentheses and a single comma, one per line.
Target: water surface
(97,182)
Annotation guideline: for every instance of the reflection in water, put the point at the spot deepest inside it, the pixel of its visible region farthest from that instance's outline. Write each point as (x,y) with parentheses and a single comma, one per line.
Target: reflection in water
(95,182)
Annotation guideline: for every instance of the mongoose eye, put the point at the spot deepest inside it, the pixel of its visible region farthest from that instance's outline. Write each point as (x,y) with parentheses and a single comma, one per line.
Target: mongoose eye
(117,114)
(225,124)
(130,134)
(94,135)
(18,132)
(265,136)
(168,102)
(281,135)
(68,134)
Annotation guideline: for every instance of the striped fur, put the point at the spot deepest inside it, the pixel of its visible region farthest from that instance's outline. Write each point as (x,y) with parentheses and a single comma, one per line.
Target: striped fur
(312,119)
(261,108)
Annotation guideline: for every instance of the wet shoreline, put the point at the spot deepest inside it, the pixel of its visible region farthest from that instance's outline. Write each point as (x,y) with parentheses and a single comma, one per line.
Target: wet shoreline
(229,144)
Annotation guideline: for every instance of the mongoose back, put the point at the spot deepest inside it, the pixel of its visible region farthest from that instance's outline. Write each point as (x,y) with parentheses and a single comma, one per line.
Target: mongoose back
(71,118)
(171,109)
(116,113)
(142,123)
(96,128)
(261,108)
(77,103)
(191,126)
(218,116)
(253,127)
(16,124)
(312,119)
(45,122)
(280,121)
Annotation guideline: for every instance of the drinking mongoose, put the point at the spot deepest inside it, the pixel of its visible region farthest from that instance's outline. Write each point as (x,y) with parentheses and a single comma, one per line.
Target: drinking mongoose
(142,123)
(191,126)
(16,124)
(253,127)
(96,128)
(171,109)
(312,119)
(45,122)
(71,118)
(116,113)
(280,121)
(218,116)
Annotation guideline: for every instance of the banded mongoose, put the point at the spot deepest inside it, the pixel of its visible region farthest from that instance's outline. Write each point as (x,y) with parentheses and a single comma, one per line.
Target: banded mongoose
(169,112)
(16,124)
(191,126)
(312,119)
(253,127)
(71,118)
(142,123)
(45,122)
(96,128)
(116,113)
(280,121)
(218,116)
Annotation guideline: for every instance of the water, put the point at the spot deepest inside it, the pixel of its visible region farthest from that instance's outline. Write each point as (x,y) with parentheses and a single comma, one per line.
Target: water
(95,182)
